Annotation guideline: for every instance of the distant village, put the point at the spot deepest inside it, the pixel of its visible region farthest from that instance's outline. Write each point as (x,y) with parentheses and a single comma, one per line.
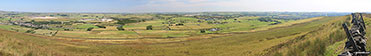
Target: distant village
(45,24)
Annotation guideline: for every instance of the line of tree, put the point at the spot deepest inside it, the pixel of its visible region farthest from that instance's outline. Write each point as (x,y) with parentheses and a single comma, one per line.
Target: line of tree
(90,28)
(123,21)
(120,28)
(100,26)
(149,27)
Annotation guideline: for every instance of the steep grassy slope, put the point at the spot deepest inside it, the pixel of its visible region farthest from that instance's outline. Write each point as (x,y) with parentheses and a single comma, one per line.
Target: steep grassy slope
(316,42)
(309,38)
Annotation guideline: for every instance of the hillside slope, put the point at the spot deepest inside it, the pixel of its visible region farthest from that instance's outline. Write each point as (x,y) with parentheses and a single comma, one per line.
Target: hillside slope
(307,38)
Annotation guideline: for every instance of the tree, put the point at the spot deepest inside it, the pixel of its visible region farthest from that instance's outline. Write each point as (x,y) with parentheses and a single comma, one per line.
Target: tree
(124,21)
(31,31)
(67,29)
(149,27)
(168,28)
(63,15)
(55,33)
(90,28)
(202,31)
(32,21)
(266,19)
(52,22)
(199,21)
(179,24)
(85,15)
(120,27)
(100,26)
(10,20)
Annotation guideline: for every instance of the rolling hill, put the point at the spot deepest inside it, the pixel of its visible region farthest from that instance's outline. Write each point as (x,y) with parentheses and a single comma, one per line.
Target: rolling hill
(312,37)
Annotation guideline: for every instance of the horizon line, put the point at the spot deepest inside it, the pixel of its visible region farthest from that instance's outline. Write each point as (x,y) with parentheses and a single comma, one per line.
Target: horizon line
(182,11)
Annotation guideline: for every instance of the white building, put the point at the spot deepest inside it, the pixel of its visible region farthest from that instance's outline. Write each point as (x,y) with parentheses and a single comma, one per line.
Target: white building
(106,20)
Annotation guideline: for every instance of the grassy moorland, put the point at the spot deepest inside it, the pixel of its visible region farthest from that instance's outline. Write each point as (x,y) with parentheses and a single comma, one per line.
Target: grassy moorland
(312,37)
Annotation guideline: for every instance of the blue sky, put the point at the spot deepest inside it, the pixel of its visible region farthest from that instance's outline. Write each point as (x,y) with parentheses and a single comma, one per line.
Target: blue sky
(185,5)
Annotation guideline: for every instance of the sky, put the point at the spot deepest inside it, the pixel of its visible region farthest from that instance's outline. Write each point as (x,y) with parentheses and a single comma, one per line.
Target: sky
(122,6)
